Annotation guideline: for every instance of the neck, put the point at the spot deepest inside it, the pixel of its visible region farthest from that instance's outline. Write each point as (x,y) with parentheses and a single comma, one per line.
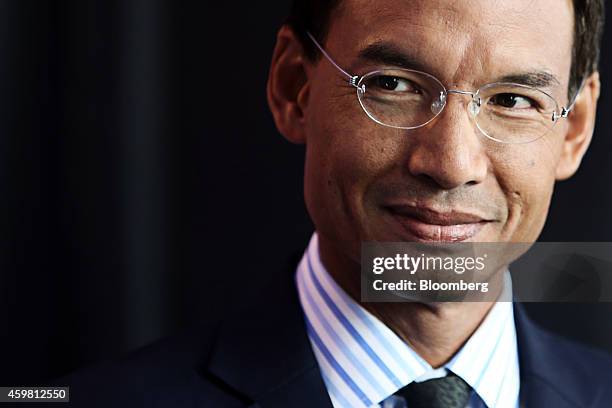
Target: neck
(436,331)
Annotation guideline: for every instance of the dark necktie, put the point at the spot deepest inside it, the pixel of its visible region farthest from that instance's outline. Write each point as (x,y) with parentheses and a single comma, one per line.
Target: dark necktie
(445,392)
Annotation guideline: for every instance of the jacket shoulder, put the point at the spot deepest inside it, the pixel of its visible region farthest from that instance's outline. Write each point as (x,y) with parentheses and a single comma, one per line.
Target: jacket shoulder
(587,366)
(555,366)
(169,372)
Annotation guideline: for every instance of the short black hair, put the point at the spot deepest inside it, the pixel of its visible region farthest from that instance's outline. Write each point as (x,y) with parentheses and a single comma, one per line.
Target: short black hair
(589,17)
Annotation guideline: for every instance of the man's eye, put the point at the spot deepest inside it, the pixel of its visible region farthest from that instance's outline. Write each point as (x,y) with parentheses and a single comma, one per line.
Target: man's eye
(512,101)
(395,84)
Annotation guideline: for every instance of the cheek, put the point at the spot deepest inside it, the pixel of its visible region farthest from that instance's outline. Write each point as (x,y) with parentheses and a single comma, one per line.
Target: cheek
(344,156)
(526,176)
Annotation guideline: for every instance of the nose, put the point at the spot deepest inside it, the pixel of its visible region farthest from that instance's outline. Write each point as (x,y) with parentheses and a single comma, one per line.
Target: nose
(449,151)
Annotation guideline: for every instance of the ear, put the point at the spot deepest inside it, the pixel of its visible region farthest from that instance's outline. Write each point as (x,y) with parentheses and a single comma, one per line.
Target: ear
(580,130)
(288,86)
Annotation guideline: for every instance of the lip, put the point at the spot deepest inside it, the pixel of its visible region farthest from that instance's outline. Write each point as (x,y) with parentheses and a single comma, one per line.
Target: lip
(426,224)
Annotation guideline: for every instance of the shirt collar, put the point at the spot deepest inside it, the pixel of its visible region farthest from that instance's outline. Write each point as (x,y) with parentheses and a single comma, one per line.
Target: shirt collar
(362,361)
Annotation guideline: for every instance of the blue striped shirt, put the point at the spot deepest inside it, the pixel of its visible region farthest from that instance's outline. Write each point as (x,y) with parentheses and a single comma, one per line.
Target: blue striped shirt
(363,363)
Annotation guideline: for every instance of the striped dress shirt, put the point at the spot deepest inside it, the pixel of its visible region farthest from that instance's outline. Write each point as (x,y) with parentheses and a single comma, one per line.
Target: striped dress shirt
(363,363)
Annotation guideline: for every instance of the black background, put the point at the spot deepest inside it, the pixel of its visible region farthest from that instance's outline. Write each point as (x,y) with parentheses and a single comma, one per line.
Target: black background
(141,178)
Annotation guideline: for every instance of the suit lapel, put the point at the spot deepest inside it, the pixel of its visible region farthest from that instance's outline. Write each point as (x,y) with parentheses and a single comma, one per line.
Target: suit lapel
(547,379)
(264,354)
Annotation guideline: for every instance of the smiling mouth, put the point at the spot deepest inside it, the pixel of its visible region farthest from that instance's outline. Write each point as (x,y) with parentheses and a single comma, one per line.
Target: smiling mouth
(425,224)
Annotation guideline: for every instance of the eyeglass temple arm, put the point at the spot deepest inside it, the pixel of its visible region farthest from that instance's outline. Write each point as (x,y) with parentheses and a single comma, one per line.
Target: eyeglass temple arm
(566,111)
(353,79)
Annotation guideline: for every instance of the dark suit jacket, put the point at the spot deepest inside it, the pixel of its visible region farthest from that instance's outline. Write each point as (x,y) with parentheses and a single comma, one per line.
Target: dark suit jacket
(259,355)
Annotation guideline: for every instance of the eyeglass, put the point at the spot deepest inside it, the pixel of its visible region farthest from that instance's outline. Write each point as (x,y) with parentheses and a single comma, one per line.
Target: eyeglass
(408,99)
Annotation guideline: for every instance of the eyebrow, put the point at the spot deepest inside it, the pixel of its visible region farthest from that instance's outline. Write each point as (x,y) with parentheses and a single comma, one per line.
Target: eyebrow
(387,53)
(536,79)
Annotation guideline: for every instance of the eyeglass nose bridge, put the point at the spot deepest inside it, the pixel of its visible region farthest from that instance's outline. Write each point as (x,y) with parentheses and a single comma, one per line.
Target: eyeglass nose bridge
(474,107)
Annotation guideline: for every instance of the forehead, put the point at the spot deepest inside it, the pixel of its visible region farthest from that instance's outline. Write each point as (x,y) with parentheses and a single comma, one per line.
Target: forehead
(465,40)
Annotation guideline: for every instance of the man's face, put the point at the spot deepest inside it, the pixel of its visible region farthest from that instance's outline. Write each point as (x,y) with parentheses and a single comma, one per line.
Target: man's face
(445,181)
